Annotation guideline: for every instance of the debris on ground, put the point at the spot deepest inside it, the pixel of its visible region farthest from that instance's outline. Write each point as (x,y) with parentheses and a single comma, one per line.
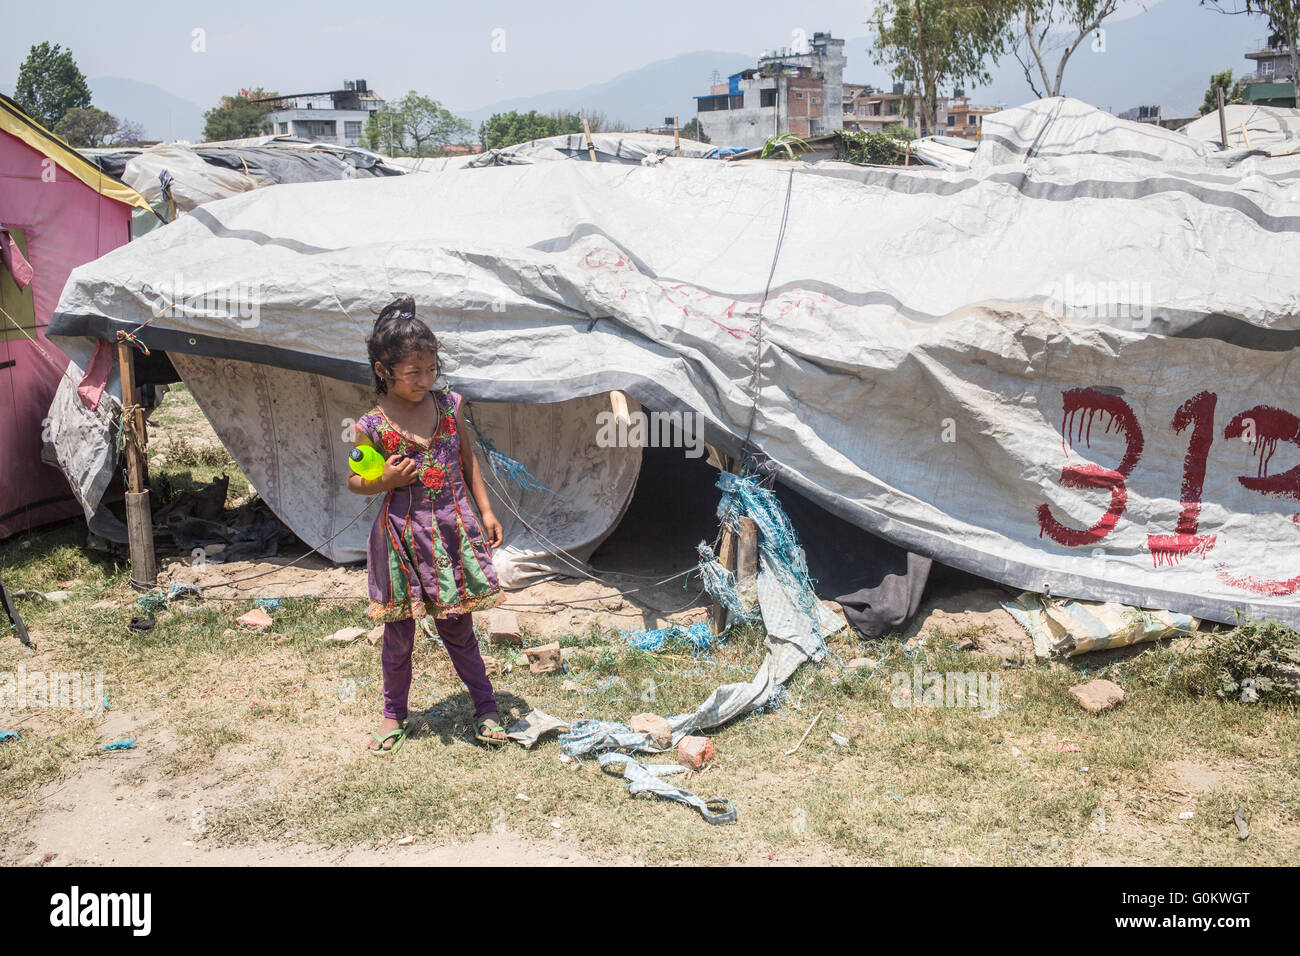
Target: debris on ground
(344,635)
(9,735)
(126,743)
(533,726)
(694,752)
(792,750)
(647,778)
(1243,831)
(503,628)
(660,731)
(257,619)
(1097,695)
(376,634)
(1061,628)
(545,659)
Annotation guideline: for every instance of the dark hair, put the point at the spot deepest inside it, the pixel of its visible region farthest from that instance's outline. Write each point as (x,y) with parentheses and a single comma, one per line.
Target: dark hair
(397,334)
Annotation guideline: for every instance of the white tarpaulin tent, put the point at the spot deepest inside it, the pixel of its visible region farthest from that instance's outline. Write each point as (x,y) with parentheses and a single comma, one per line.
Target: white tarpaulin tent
(1072,367)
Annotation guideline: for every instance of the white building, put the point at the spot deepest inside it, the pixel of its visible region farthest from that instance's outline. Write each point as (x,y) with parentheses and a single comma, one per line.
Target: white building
(337,116)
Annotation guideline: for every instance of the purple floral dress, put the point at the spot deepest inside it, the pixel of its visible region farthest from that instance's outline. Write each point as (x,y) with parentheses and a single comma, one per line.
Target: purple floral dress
(427,554)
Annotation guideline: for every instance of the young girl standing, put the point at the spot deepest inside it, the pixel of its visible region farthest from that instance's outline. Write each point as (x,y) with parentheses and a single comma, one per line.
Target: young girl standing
(427,554)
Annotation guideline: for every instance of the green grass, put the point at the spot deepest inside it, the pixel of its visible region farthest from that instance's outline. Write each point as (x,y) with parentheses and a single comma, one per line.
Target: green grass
(914,785)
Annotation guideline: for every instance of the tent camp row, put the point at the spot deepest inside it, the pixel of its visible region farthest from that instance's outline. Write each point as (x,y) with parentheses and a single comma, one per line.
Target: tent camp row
(1069,368)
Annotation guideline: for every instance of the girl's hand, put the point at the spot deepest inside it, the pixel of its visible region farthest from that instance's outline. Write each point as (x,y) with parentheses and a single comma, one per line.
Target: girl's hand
(399,471)
(492,530)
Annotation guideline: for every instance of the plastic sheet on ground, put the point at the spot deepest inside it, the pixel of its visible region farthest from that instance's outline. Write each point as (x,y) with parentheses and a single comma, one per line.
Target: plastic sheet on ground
(648,778)
(1067,628)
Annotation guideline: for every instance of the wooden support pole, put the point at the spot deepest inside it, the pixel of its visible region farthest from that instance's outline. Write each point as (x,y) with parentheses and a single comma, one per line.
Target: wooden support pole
(726,558)
(591,147)
(747,554)
(677,138)
(139,518)
(1223,120)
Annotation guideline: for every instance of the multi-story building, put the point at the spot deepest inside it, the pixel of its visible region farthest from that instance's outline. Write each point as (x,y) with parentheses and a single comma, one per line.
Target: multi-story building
(336,116)
(872,110)
(788,92)
(1272,82)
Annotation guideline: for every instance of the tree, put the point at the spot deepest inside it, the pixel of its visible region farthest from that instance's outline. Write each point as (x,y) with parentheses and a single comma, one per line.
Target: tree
(934,43)
(509,129)
(91,127)
(415,125)
(1069,21)
(1232,92)
(49,84)
(1283,18)
(87,126)
(693,130)
(238,117)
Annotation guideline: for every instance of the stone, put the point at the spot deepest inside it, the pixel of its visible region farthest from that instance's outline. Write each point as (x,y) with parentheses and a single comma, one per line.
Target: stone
(861,662)
(345,635)
(655,726)
(256,618)
(56,596)
(570,685)
(503,628)
(694,752)
(1097,695)
(376,634)
(490,665)
(544,659)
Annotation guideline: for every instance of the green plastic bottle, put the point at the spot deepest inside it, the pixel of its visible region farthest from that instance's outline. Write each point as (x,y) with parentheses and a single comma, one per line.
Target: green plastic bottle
(366,462)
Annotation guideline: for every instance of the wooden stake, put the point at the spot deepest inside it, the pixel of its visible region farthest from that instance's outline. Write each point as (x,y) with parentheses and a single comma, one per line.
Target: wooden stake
(591,147)
(726,558)
(139,518)
(747,556)
(677,138)
(1223,120)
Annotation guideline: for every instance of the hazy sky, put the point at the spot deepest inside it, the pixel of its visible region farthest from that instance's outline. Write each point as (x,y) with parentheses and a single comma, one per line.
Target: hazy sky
(442,49)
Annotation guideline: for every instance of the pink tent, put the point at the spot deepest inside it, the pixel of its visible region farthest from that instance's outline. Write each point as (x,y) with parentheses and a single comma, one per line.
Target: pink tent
(57,211)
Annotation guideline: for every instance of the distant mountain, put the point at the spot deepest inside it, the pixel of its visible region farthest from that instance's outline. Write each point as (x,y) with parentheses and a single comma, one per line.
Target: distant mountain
(638,98)
(163,115)
(152,107)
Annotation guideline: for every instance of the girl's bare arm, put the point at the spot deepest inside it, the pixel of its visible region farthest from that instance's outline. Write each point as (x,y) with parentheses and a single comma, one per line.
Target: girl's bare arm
(398,472)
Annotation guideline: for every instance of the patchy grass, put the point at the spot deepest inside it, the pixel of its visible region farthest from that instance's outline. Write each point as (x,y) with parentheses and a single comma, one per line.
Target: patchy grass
(996,783)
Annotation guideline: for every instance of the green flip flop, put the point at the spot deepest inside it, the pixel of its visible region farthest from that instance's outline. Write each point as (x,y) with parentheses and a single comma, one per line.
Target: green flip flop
(396,736)
(483,727)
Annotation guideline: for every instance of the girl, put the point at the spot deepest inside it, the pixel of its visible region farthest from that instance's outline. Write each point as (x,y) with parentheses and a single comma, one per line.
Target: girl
(427,554)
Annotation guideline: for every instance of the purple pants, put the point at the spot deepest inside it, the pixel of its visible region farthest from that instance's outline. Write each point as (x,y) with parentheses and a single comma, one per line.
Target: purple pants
(457,633)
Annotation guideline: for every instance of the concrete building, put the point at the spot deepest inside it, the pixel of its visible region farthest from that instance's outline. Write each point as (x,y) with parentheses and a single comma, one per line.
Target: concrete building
(788,92)
(336,116)
(872,110)
(1271,83)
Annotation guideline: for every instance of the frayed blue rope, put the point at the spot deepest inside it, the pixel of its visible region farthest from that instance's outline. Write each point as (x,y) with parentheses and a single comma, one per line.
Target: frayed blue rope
(721,584)
(505,466)
(697,638)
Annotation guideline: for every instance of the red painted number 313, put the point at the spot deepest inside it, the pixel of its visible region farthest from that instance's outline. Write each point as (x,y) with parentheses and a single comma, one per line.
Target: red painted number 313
(1262,424)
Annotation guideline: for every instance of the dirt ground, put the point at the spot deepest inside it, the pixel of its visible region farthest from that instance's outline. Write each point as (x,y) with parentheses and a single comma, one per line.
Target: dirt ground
(250,747)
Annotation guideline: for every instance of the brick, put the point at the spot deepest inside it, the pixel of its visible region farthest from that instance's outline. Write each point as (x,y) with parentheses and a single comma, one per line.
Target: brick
(695,752)
(544,659)
(503,628)
(1097,695)
(256,619)
(655,726)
